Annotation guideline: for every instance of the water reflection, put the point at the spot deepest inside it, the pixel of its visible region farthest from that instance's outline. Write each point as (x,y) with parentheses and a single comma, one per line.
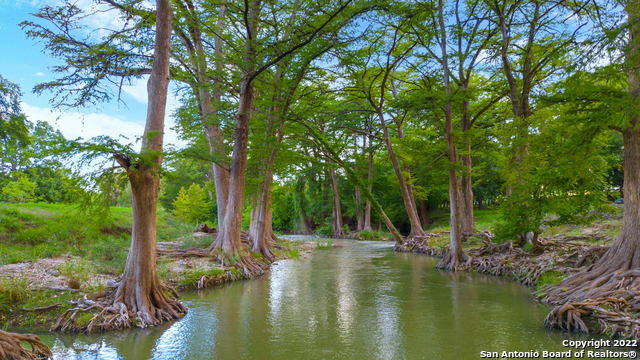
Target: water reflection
(361,301)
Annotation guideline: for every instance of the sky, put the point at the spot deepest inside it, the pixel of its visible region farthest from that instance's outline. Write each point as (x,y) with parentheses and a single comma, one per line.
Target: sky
(24,62)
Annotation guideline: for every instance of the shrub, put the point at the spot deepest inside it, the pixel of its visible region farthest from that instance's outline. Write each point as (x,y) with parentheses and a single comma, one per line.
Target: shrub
(191,205)
(20,190)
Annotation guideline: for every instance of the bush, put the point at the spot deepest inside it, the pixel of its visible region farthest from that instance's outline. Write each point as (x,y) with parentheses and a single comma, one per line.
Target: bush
(20,190)
(191,205)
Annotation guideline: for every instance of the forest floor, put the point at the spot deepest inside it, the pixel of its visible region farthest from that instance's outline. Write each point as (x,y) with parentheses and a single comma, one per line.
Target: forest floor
(53,254)
(564,250)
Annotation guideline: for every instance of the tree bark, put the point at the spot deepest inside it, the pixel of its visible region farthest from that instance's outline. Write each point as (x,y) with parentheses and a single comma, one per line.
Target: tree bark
(466,190)
(454,256)
(208,100)
(228,236)
(140,290)
(367,206)
(260,229)
(337,208)
(424,212)
(359,210)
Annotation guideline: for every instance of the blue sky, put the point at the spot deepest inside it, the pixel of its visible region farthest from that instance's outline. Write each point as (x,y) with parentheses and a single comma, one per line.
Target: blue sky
(23,62)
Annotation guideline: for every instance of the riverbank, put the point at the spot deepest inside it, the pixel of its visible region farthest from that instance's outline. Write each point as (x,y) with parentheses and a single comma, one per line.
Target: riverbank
(564,250)
(52,260)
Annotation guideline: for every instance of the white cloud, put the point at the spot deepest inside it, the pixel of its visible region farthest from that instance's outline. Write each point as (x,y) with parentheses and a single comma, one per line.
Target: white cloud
(78,125)
(137,89)
(39,73)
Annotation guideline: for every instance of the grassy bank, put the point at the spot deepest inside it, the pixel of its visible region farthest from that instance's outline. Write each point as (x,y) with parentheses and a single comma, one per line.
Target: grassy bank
(51,254)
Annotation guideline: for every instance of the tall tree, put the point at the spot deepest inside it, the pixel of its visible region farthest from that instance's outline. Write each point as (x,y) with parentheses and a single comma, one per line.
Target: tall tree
(613,279)
(141,298)
(254,61)
(207,88)
(373,78)
(454,255)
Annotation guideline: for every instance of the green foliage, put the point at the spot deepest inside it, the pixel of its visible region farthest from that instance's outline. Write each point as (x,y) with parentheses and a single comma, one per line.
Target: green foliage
(561,178)
(77,272)
(191,276)
(191,205)
(374,235)
(549,278)
(13,290)
(20,190)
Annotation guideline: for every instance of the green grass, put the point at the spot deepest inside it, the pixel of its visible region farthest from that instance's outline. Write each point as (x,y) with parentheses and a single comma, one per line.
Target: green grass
(485,219)
(374,235)
(16,299)
(30,231)
(190,277)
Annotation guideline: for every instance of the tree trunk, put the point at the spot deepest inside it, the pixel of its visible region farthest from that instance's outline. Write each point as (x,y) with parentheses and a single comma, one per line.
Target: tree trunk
(359,210)
(337,209)
(615,275)
(424,212)
(467,193)
(260,231)
(367,206)
(140,293)
(454,256)
(215,139)
(228,236)
(407,193)
(208,100)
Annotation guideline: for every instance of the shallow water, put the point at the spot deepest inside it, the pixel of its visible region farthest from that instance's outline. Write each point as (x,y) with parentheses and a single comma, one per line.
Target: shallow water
(358,301)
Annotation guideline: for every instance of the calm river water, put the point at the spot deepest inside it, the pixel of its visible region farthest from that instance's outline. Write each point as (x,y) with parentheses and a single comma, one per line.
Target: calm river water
(359,301)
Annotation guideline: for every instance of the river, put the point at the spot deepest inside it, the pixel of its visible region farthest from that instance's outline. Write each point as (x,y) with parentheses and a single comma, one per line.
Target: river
(358,301)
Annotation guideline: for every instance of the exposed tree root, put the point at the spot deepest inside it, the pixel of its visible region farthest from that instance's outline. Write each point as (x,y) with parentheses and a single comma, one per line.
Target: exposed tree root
(608,298)
(420,244)
(11,347)
(112,313)
(607,313)
(454,262)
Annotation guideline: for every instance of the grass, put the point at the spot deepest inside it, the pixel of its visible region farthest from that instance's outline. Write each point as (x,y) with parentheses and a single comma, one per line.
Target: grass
(374,235)
(32,231)
(549,278)
(191,276)
(16,300)
(485,219)
(94,244)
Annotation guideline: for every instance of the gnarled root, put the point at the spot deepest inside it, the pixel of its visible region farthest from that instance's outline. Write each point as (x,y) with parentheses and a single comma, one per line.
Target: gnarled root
(452,261)
(420,244)
(250,266)
(11,347)
(572,316)
(120,312)
(609,298)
